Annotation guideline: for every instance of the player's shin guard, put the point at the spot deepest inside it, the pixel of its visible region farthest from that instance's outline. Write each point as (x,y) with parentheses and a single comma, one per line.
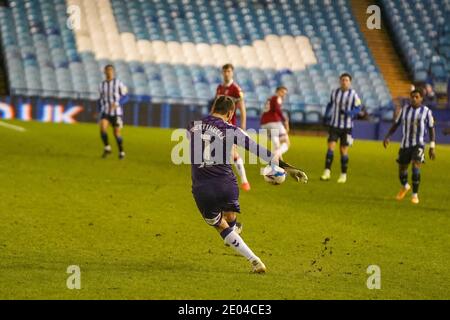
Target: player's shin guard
(119,140)
(344,163)
(329,159)
(415,180)
(239,163)
(104,137)
(235,241)
(403,176)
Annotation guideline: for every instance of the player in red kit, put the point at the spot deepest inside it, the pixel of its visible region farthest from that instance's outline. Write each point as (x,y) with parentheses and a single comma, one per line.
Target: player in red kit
(275,122)
(230,89)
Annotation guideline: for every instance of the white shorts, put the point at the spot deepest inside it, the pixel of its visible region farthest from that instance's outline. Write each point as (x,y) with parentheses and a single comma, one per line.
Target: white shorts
(275,126)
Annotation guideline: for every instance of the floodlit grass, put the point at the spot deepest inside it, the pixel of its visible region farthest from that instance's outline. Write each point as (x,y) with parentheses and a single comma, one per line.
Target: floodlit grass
(133,228)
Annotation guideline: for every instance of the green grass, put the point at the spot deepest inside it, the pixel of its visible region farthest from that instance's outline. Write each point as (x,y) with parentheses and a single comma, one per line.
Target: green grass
(134,230)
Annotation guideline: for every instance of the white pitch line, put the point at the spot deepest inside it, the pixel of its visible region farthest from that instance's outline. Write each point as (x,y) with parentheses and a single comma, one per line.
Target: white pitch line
(12,127)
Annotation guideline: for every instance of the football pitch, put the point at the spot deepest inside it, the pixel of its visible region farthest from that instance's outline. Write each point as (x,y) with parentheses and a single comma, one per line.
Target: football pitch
(134,230)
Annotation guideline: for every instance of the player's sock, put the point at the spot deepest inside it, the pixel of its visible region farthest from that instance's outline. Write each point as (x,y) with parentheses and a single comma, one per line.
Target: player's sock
(275,142)
(344,163)
(403,178)
(415,180)
(239,163)
(119,140)
(104,137)
(284,148)
(329,159)
(232,224)
(235,241)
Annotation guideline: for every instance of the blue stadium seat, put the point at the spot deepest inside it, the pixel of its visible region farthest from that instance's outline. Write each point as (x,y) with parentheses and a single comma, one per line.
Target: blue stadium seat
(45,54)
(420,31)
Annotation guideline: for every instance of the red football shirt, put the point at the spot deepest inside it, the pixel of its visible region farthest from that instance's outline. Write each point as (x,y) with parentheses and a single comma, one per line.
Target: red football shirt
(233,91)
(272,111)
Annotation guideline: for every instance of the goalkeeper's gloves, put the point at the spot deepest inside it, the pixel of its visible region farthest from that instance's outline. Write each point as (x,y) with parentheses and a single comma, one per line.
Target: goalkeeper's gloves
(295,173)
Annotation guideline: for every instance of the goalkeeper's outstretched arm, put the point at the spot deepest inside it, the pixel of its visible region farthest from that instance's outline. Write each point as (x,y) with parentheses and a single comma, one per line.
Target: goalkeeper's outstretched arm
(243,140)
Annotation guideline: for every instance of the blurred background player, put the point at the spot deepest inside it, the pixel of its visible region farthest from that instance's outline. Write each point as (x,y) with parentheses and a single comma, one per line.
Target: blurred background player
(275,122)
(344,105)
(230,89)
(430,98)
(214,185)
(113,94)
(415,119)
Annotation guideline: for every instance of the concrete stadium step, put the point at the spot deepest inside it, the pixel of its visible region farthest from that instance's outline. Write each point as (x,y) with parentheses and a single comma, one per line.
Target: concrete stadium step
(383,51)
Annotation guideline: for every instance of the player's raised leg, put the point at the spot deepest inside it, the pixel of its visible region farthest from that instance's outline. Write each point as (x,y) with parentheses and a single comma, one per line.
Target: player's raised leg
(275,140)
(284,144)
(403,176)
(104,135)
(235,241)
(328,161)
(415,182)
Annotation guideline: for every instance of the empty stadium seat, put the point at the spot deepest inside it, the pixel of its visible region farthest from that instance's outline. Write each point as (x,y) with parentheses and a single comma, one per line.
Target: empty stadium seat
(174,49)
(421,31)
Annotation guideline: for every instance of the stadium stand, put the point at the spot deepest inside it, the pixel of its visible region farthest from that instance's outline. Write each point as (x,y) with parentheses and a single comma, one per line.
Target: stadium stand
(3,77)
(383,50)
(422,34)
(3,73)
(171,50)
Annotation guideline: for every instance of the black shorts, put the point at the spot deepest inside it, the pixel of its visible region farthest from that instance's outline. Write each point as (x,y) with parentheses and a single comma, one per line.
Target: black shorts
(115,121)
(214,198)
(344,135)
(406,155)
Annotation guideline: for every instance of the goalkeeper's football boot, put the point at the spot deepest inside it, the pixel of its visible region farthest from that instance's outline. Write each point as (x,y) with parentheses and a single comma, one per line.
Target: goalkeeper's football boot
(258,266)
(415,199)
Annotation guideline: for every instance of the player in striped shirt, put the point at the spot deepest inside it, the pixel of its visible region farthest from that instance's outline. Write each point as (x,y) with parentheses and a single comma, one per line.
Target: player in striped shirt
(344,105)
(276,123)
(415,119)
(113,94)
(231,89)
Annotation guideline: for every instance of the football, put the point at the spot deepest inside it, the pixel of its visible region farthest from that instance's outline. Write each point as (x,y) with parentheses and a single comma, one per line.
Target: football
(274,175)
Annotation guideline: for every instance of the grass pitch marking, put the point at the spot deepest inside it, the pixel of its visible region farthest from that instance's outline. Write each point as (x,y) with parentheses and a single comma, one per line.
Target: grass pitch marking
(12,126)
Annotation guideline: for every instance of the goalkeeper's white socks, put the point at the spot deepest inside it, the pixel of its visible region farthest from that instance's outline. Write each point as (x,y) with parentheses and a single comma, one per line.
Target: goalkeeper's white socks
(239,163)
(235,241)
